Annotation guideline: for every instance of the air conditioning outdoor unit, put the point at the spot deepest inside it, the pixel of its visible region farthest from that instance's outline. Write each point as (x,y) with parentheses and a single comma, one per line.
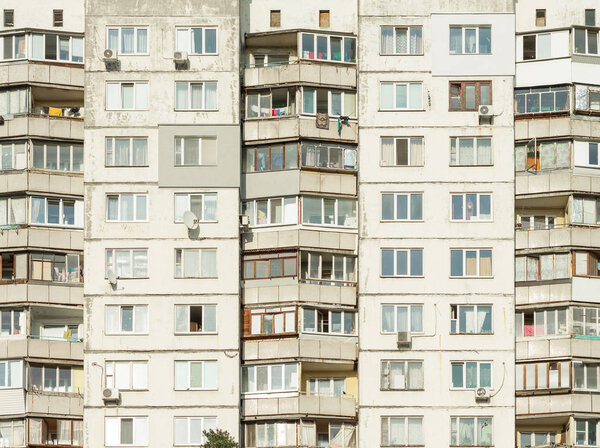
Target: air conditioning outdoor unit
(111,394)
(180,57)
(482,394)
(110,60)
(404,339)
(486,111)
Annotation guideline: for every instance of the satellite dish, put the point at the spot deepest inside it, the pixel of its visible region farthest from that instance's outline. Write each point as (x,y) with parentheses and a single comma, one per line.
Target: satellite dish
(108,53)
(112,278)
(190,220)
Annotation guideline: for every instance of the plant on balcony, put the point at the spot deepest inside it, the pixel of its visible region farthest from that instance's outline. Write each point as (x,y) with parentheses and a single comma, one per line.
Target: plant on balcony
(219,439)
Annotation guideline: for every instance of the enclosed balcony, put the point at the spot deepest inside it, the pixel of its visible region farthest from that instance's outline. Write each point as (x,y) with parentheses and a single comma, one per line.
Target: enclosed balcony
(300,433)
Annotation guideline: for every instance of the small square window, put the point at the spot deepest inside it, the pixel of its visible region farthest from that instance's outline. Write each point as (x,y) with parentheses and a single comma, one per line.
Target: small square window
(275,17)
(57,15)
(9,17)
(590,17)
(324,18)
(540,17)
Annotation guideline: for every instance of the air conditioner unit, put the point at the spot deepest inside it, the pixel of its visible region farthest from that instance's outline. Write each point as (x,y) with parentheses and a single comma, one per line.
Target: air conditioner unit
(486,111)
(110,394)
(404,339)
(180,57)
(110,60)
(244,221)
(482,394)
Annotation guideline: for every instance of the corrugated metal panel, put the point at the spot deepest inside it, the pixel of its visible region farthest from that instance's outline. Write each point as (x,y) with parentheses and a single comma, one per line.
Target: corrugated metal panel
(12,401)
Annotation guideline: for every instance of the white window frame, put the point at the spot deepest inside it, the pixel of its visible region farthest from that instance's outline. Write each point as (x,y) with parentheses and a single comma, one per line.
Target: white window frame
(313,92)
(117,51)
(408,260)
(407,439)
(16,162)
(410,196)
(110,379)
(180,265)
(112,151)
(478,261)
(550,437)
(57,37)
(135,197)
(203,362)
(455,142)
(21,320)
(252,210)
(12,205)
(470,27)
(12,37)
(77,210)
(409,317)
(135,317)
(547,315)
(537,47)
(206,424)
(456,435)
(287,314)
(119,100)
(394,85)
(189,207)
(549,221)
(586,368)
(347,273)
(314,311)
(464,374)
(14,427)
(58,156)
(395,29)
(582,157)
(56,373)
(457,321)
(203,331)
(336,212)
(137,422)
(410,150)
(270,378)
(474,218)
(111,255)
(586,32)
(189,95)
(313,383)
(189,46)
(329,52)
(406,362)
(7,377)
(180,139)
(585,320)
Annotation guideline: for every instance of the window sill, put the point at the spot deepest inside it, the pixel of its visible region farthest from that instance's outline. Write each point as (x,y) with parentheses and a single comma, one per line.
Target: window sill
(126,334)
(471,277)
(195,110)
(471,220)
(401,54)
(402,390)
(402,110)
(126,110)
(196,278)
(130,278)
(384,221)
(196,333)
(401,276)
(126,166)
(195,390)
(468,166)
(199,222)
(401,166)
(194,166)
(471,334)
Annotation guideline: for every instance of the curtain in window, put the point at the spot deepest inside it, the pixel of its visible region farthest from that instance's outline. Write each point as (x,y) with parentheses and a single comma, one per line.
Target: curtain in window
(140,150)
(470,40)
(141,96)
(181,431)
(396,432)
(485,263)
(467,431)
(211,95)
(415,431)
(455,40)
(4,212)
(415,375)
(484,151)
(196,100)
(563,155)
(577,210)
(123,263)
(308,433)
(210,207)
(37,46)
(64,432)
(396,375)
(141,319)
(416,318)
(387,40)
(183,40)
(547,267)
(350,104)
(191,263)
(113,39)
(416,151)
(127,96)
(181,95)
(121,152)
(209,263)
(191,154)
(416,40)
(401,41)
(77,51)
(589,210)
(126,207)
(547,156)
(484,431)
(581,97)
(38,210)
(211,40)
(466,152)
(3,103)
(386,96)
(196,40)
(35,430)
(127,40)
(401,96)
(142,41)
(402,318)
(484,319)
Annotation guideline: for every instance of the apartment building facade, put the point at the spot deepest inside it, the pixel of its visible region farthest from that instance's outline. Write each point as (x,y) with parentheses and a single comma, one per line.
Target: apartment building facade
(557,131)
(162,222)
(435,232)
(299,252)
(41,223)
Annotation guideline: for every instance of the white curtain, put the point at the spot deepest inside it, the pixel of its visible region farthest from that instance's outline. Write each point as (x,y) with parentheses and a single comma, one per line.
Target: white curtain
(401,96)
(470,41)
(402,318)
(142,41)
(191,263)
(37,45)
(211,95)
(387,152)
(35,430)
(416,40)
(127,96)
(112,319)
(197,96)
(181,95)
(140,151)
(415,375)
(387,40)
(209,263)
(141,95)
(141,319)
(467,431)
(466,152)
(455,40)
(416,151)
(64,432)
(122,374)
(484,151)
(210,207)
(38,210)
(127,40)
(396,431)
(113,96)
(181,431)
(113,39)
(401,41)
(415,431)
(77,55)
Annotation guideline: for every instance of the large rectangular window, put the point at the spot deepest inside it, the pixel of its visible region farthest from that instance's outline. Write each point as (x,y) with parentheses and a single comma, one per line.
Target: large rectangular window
(12,433)
(13,155)
(126,375)
(128,40)
(587,98)
(542,100)
(546,155)
(56,212)
(537,46)
(402,431)
(281,434)
(470,39)
(401,318)
(271,103)
(401,40)
(585,210)
(470,262)
(50,432)
(195,263)
(270,378)
(401,262)
(587,264)
(401,375)
(202,205)
(402,206)
(469,95)
(334,103)
(126,319)
(51,378)
(585,41)
(127,263)
(126,151)
(194,151)
(586,432)
(127,95)
(13,211)
(57,156)
(471,374)
(55,47)
(471,431)
(537,438)
(196,375)
(12,323)
(542,323)
(328,48)
(270,321)
(126,431)
(329,211)
(11,374)
(126,207)
(14,101)
(402,151)
(470,151)
(585,376)
(401,96)
(586,321)
(328,321)
(471,207)
(65,268)
(195,319)
(274,211)
(326,268)
(542,267)
(200,40)
(275,157)
(327,387)
(196,96)
(13,47)
(470,319)
(543,376)
(190,430)
(587,154)
(270,265)
(329,155)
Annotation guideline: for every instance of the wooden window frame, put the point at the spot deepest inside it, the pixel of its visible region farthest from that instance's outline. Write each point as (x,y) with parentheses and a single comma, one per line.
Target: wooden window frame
(462,90)
(254,150)
(324,18)
(247,322)
(268,260)
(275,18)
(536,388)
